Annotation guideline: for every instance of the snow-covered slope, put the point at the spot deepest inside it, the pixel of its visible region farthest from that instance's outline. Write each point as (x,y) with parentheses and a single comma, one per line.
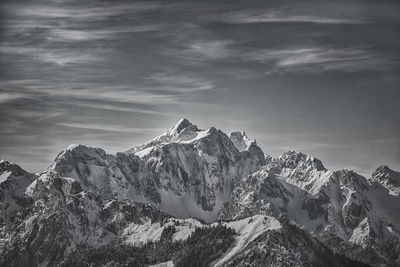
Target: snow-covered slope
(183,131)
(247,231)
(265,193)
(287,245)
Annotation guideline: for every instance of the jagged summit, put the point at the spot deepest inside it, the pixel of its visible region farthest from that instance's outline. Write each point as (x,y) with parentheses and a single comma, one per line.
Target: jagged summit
(182,124)
(182,131)
(77,150)
(388,178)
(244,144)
(241,140)
(10,168)
(186,132)
(291,159)
(385,170)
(385,173)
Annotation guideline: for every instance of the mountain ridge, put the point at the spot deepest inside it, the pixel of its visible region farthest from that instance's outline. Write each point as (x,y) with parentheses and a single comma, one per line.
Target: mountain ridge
(186,179)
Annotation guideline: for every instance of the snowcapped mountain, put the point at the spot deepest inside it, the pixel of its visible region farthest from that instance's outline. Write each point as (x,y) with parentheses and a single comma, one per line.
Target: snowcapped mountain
(388,178)
(13,183)
(340,207)
(186,172)
(196,194)
(67,224)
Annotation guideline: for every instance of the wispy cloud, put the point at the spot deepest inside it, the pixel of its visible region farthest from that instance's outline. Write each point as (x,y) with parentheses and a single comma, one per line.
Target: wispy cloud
(118,107)
(60,57)
(207,50)
(6,97)
(58,34)
(110,128)
(50,32)
(322,59)
(79,12)
(283,16)
(101,92)
(385,140)
(182,83)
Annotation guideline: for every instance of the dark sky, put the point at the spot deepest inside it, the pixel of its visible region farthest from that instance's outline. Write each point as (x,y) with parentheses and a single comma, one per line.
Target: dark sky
(321,77)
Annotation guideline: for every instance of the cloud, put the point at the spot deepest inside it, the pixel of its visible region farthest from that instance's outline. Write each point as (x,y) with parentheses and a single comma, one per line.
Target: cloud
(59,57)
(207,50)
(117,107)
(6,97)
(50,30)
(57,34)
(110,128)
(79,12)
(283,16)
(181,83)
(116,93)
(322,59)
(385,140)
(67,58)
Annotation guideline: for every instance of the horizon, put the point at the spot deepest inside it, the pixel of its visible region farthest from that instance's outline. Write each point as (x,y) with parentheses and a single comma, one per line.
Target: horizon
(316,77)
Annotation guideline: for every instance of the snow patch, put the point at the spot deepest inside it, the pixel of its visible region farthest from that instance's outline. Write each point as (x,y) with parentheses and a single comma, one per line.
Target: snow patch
(360,233)
(29,190)
(4,176)
(186,207)
(164,264)
(144,152)
(72,147)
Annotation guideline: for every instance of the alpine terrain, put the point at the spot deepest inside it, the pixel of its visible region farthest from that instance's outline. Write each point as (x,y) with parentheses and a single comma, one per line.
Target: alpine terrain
(197,197)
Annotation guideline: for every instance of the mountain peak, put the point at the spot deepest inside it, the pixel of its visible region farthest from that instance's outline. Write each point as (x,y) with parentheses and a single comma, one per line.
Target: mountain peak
(74,151)
(4,162)
(182,124)
(293,158)
(7,166)
(384,168)
(241,140)
(388,178)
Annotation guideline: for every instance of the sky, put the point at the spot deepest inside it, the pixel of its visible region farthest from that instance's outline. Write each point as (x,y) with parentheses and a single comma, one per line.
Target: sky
(320,77)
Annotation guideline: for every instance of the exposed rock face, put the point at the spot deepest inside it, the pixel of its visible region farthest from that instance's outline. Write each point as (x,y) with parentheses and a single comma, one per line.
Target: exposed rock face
(244,144)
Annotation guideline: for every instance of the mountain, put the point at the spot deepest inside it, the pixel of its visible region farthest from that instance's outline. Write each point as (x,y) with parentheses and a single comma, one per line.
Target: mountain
(194,197)
(288,245)
(389,178)
(186,172)
(343,209)
(13,183)
(68,224)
